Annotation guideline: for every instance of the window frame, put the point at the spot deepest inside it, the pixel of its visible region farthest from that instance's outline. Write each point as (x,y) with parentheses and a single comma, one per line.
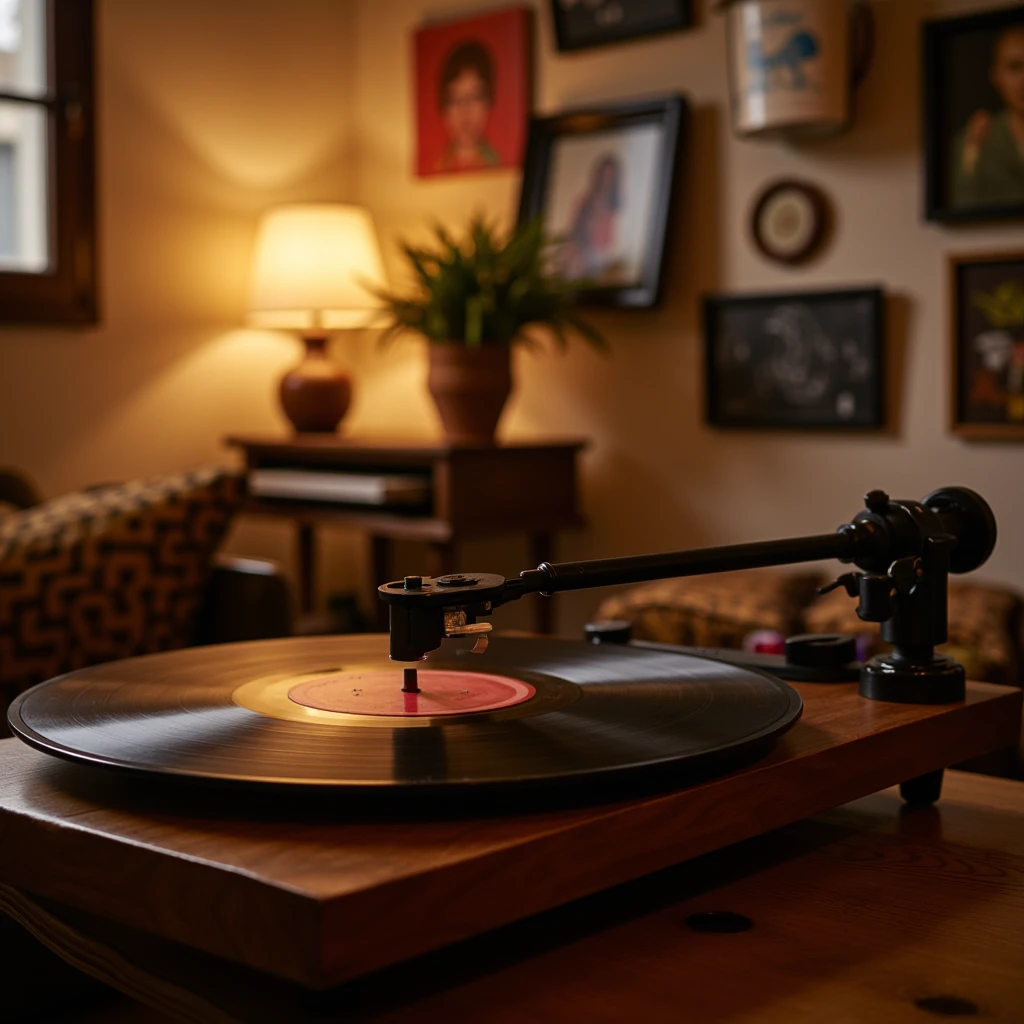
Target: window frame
(65,293)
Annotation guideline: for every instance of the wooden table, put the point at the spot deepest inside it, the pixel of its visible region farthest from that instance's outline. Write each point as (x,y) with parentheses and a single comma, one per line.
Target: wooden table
(477,492)
(227,908)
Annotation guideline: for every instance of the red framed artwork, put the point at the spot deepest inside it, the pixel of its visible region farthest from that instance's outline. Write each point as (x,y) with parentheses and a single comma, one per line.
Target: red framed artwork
(473,93)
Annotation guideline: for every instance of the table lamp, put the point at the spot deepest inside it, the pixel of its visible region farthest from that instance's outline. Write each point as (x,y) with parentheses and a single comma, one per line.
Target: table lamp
(314,270)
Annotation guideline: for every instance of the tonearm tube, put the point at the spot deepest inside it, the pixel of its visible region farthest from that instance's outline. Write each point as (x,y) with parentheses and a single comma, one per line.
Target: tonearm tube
(904,549)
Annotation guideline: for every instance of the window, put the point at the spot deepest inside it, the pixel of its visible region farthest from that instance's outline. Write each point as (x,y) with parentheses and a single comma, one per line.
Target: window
(47,204)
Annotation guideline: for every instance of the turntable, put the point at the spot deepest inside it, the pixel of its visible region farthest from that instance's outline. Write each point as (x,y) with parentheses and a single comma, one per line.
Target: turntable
(309,807)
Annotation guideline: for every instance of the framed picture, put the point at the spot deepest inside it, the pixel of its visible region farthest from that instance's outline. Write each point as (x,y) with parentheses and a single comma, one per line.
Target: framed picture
(583,23)
(987,328)
(974,116)
(601,181)
(790,221)
(808,359)
(473,93)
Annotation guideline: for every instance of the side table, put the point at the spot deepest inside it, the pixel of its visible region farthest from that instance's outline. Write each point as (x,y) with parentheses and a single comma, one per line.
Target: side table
(475,492)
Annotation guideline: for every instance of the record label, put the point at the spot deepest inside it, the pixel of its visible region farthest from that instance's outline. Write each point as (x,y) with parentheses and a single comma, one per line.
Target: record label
(380,693)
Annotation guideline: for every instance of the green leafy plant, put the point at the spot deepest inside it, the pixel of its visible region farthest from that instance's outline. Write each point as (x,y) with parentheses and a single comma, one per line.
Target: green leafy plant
(488,290)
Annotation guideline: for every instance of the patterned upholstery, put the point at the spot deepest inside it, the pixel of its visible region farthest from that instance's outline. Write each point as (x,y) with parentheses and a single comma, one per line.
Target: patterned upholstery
(107,573)
(984,627)
(713,611)
(985,621)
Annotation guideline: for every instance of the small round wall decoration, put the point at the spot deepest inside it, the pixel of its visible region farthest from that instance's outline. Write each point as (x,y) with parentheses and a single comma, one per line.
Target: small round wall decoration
(790,220)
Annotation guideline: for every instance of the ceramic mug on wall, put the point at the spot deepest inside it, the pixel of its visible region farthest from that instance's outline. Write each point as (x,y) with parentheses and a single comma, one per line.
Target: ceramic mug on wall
(793,63)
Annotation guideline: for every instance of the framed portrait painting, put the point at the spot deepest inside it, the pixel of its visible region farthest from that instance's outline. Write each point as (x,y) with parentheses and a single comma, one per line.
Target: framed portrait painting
(580,24)
(974,116)
(473,92)
(987,345)
(802,360)
(601,180)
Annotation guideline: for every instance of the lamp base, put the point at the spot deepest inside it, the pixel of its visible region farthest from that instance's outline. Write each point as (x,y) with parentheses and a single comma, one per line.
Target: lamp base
(315,395)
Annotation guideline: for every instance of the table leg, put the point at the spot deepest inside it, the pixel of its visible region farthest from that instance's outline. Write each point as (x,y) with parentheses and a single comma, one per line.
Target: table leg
(440,562)
(442,558)
(382,573)
(306,537)
(924,790)
(542,550)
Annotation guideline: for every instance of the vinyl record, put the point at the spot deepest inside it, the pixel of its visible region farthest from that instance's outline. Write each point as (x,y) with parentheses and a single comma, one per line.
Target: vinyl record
(330,711)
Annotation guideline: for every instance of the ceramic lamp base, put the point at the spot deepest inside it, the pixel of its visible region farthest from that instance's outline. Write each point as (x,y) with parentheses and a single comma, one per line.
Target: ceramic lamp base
(315,395)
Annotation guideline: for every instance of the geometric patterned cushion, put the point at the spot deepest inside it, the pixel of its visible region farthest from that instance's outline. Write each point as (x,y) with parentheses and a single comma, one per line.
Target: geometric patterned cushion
(986,621)
(108,573)
(984,627)
(717,610)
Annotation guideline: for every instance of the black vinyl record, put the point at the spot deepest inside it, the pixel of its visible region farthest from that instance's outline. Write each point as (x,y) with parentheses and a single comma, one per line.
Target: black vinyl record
(574,713)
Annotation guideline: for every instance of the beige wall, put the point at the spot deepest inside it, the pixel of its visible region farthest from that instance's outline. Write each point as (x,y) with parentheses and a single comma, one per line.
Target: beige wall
(656,476)
(213,109)
(209,110)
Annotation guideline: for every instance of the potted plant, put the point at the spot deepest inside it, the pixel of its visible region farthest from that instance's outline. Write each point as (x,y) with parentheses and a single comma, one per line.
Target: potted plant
(473,302)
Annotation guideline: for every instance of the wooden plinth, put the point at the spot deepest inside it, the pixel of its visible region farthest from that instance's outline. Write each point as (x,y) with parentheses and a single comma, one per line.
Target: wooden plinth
(869,912)
(319,901)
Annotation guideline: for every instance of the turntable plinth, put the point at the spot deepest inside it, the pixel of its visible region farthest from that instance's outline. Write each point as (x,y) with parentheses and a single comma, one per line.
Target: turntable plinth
(320,900)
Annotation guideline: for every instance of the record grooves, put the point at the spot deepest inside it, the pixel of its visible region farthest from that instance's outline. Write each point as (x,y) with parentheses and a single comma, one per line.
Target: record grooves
(555,711)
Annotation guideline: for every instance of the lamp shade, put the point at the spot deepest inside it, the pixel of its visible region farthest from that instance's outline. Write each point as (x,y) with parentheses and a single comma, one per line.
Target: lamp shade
(312,267)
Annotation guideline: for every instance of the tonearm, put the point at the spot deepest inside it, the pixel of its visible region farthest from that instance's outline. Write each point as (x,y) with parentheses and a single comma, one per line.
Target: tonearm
(904,549)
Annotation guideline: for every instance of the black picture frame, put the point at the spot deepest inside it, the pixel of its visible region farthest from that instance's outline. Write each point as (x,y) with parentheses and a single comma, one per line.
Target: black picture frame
(671,116)
(778,360)
(582,25)
(955,83)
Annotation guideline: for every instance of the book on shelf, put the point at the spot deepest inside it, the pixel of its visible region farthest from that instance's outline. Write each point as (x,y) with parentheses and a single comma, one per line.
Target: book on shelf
(380,489)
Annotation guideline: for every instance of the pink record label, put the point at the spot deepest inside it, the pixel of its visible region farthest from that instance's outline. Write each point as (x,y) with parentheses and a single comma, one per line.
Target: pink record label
(380,693)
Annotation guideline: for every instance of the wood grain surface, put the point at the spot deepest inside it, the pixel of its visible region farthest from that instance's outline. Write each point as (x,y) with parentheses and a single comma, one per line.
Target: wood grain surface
(868,913)
(303,893)
(476,491)
(374,450)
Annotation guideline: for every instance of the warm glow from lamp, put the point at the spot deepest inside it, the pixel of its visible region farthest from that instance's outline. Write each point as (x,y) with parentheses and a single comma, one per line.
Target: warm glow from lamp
(314,271)
(313,265)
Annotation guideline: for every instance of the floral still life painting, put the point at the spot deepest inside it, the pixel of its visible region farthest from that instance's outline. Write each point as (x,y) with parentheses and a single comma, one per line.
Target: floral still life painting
(988,346)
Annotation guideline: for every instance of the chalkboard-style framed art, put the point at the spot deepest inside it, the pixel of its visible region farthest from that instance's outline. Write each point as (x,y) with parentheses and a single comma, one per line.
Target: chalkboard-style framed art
(581,24)
(796,361)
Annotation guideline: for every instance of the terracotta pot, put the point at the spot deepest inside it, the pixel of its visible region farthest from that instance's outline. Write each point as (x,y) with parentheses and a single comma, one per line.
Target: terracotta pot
(315,395)
(470,387)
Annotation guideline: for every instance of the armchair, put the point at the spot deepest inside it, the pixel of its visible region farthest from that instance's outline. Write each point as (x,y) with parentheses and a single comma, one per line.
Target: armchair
(125,569)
